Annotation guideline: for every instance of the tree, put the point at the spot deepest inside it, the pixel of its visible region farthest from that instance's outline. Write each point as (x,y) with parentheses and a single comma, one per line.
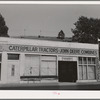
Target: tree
(87,30)
(3,27)
(61,35)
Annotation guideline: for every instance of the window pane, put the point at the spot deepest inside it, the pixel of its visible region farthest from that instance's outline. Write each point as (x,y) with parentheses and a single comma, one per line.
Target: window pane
(13,56)
(84,72)
(91,72)
(84,60)
(80,72)
(52,68)
(80,60)
(34,71)
(13,70)
(0,57)
(44,68)
(89,60)
(31,65)
(48,65)
(48,68)
(27,71)
(93,61)
(44,71)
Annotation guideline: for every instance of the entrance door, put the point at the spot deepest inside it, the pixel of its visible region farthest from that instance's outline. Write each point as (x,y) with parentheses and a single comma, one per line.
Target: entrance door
(13,72)
(67,71)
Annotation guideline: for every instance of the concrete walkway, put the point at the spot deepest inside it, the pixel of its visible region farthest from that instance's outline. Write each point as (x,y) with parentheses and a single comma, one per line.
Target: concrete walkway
(52,86)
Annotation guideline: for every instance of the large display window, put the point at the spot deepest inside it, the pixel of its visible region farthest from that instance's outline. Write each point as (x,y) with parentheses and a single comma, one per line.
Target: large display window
(31,65)
(87,68)
(40,66)
(48,66)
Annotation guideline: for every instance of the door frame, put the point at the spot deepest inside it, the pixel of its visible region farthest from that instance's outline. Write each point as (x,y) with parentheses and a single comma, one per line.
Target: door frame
(14,61)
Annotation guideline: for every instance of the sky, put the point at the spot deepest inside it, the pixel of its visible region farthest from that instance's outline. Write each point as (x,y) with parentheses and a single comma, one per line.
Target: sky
(44,19)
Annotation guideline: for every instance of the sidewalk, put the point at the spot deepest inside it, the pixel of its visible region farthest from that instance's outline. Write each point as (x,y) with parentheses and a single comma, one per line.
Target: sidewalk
(49,84)
(52,86)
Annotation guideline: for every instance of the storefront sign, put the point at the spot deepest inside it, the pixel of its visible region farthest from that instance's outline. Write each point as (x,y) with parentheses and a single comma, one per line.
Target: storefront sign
(53,50)
(66,58)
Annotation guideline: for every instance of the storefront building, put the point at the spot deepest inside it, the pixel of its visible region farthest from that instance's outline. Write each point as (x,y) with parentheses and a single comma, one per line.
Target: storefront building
(29,60)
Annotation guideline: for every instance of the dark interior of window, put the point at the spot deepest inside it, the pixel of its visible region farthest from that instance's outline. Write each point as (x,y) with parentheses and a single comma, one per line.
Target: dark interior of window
(0,57)
(13,56)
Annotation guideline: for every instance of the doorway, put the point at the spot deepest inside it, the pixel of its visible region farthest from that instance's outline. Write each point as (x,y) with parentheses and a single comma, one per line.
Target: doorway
(13,72)
(67,71)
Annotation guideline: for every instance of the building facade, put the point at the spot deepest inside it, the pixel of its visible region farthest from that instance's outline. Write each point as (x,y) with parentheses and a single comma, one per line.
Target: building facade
(29,60)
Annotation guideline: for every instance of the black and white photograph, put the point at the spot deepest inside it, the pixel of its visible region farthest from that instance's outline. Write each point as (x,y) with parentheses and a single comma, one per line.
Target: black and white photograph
(49,47)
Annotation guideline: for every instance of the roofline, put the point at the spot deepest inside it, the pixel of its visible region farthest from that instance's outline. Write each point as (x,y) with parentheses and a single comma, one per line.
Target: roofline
(48,40)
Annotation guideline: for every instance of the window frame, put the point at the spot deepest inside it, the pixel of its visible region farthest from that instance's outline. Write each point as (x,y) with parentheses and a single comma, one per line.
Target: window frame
(12,57)
(88,64)
(47,61)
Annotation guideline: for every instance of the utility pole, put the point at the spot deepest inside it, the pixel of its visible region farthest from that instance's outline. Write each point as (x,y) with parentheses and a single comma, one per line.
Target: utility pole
(40,33)
(24,32)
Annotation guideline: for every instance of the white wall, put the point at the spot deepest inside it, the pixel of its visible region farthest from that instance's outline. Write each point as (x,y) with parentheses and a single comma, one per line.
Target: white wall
(4,68)
(47,43)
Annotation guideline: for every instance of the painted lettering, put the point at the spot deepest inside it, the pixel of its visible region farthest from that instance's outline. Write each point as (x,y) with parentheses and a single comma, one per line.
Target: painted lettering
(55,50)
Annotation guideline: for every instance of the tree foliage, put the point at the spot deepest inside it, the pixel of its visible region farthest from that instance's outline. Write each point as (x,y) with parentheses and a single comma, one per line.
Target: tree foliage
(3,27)
(61,35)
(87,30)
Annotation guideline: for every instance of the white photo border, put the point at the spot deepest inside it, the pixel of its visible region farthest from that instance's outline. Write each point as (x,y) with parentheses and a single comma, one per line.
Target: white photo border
(52,94)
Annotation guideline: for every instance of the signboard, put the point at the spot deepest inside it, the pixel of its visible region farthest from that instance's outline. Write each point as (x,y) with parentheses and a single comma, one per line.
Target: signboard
(64,58)
(47,49)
